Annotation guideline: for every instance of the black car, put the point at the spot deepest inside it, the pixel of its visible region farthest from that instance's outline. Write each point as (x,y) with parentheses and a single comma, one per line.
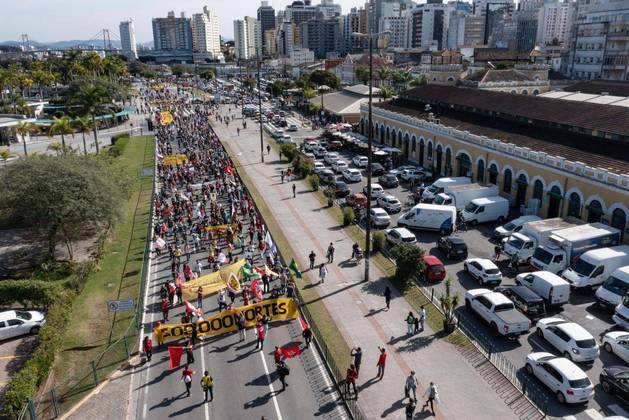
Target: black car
(525,300)
(341,189)
(388,181)
(615,380)
(377,169)
(453,247)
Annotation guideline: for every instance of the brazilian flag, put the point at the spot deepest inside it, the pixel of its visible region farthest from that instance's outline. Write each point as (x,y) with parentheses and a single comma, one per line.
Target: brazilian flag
(293,267)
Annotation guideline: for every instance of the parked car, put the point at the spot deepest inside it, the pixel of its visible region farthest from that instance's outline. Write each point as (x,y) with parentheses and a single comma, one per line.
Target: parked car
(376,191)
(327,176)
(341,189)
(525,300)
(434,270)
(565,379)
(318,167)
(331,157)
(285,139)
(17,323)
(398,171)
(453,247)
(360,161)
(483,270)
(617,342)
(377,169)
(412,174)
(399,235)
(615,380)
(339,166)
(319,151)
(569,338)
(498,311)
(309,157)
(352,175)
(389,203)
(379,217)
(552,288)
(388,181)
(356,200)
(293,127)
(335,145)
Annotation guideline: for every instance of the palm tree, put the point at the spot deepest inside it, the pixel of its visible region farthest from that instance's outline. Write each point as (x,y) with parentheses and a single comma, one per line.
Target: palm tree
(24,129)
(419,81)
(386,92)
(61,126)
(57,147)
(384,74)
(84,125)
(362,74)
(4,155)
(92,100)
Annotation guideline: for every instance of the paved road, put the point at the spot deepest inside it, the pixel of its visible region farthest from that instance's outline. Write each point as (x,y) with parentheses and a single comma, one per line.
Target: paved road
(246,386)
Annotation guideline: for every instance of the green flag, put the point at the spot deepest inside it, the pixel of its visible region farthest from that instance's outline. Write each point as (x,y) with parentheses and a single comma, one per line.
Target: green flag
(294,269)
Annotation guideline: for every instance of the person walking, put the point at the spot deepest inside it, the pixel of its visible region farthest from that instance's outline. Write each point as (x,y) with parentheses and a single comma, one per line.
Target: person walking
(410,323)
(165,309)
(294,191)
(207,384)
(330,254)
(411,385)
(189,355)
(357,354)
(307,335)
(186,377)
(222,303)
(421,320)
(282,371)
(312,256)
(268,149)
(322,273)
(261,334)
(350,379)
(382,360)
(515,260)
(282,172)
(497,252)
(147,346)
(410,408)
(200,297)
(432,395)
(241,322)
(387,297)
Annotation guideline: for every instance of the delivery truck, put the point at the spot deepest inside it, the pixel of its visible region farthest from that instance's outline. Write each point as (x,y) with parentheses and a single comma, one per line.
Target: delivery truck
(461,195)
(439,186)
(593,267)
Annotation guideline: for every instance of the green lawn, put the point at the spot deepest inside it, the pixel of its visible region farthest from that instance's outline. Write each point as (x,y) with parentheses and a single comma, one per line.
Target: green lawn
(117,276)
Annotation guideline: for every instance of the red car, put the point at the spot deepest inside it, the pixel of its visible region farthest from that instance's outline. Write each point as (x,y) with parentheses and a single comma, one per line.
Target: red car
(335,145)
(434,271)
(356,200)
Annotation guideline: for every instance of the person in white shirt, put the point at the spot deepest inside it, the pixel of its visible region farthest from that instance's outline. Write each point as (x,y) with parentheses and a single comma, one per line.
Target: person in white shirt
(411,385)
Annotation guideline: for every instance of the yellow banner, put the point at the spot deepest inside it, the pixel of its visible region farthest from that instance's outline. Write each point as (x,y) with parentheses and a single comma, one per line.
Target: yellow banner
(214,282)
(175,159)
(225,322)
(221,229)
(165,117)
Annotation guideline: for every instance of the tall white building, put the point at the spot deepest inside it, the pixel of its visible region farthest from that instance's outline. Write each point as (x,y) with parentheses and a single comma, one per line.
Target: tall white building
(428,26)
(398,28)
(254,36)
(241,48)
(329,9)
(554,20)
(301,56)
(127,40)
(205,35)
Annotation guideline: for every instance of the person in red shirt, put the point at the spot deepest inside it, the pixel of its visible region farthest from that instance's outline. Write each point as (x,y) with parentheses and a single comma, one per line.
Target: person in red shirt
(186,377)
(261,333)
(165,308)
(350,378)
(277,354)
(147,346)
(382,359)
(200,297)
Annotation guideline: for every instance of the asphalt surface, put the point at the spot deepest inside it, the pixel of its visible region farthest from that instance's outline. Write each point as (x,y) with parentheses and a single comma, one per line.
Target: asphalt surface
(581,309)
(245,383)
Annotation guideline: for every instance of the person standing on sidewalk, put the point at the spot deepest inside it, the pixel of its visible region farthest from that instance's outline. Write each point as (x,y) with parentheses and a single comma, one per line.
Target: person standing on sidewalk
(261,334)
(382,360)
(147,346)
(323,271)
(268,149)
(357,354)
(421,320)
(307,335)
(411,385)
(433,395)
(350,379)
(294,191)
(186,377)
(207,384)
(387,297)
(312,256)
(410,323)
(330,253)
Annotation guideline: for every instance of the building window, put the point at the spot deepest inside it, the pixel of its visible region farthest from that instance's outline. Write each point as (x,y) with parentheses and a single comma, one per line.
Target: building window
(480,171)
(538,190)
(429,150)
(574,205)
(595,211)
(619,221)
(506,187)
(493,174)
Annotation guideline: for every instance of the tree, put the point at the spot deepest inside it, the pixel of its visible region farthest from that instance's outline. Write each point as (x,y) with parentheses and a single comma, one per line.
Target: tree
(92,100)
(324,77)
(386,92)
(207,74)
(419,81)
(64,197)
(4,155)
(83,125)
(401,79)
(362,74)
(384,73)
(24,129)
(449,302)
(249,83)
(409,262)
(61,126)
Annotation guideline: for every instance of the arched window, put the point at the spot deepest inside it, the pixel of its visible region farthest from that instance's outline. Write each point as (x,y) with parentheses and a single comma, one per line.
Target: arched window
(480,171)
(574,205)
(619,221)
(595,211)
(413,145)
(448,162)
(493,174)
(506,187)
(388,134)
(382,133)
(429,150)
(538,189)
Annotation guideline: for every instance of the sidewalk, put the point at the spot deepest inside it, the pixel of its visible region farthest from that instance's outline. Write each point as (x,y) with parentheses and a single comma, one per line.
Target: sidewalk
(358,308)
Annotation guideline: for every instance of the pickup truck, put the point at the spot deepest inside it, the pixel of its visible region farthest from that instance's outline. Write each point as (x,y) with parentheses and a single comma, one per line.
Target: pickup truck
(498,311)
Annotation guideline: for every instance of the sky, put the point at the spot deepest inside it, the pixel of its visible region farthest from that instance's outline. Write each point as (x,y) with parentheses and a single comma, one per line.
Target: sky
(61,20)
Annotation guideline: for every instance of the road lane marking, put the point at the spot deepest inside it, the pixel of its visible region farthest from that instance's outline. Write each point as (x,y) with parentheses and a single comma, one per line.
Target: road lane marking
(268,375)
(618,410)
(205,407)
(593,414)
(570,418)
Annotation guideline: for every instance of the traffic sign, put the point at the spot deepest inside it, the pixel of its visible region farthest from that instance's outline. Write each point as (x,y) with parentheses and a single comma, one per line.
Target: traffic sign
(120,305)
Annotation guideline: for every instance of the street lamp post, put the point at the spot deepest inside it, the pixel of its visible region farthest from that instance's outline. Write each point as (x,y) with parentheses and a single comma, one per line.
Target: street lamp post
(260,110)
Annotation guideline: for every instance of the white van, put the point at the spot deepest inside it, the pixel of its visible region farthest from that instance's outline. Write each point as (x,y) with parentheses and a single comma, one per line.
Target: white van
(439,186)
(593,267)
(621,314)
(614,288)
(430,217)
(489,209)
(514,226)
(550,287)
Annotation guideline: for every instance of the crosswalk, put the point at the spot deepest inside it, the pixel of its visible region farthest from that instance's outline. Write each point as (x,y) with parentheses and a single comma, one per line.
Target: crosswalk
(593,414)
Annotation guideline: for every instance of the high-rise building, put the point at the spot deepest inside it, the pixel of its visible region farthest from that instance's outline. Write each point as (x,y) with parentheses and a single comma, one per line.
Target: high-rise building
(206,43)
(254,37)
(329,9)
(127,40)
(172,33)
(495,14)
(266,17)
(350,25)
(301,56)
(285,41)
(321,35)
(428,26)
(554,22)
(398,28)
(241,49)
(456,13)
(270,42)
(474,31)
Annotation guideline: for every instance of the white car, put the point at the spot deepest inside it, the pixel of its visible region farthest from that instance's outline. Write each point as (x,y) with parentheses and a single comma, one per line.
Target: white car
(339,166)
(565,379)
(617,342)
(293,127)
(330,157)
(569,338)
(309,157)
(352,175)
(398,171)
(376,190)
(483,270)
(379,217)
(318,167)
(16,323)
(408,174)
(319,151)
(400,235)
(360,161)
(389,203)
(285,139)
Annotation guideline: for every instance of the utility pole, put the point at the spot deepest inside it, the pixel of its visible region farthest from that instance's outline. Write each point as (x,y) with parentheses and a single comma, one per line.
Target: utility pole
(369,168)
(260,110)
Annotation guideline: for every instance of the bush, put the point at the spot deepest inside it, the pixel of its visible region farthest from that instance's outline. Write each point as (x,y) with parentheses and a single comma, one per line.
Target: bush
(409,262)
(348,216)
(118,144)
(301,168)
(289,151)
(314,182)
(377,241)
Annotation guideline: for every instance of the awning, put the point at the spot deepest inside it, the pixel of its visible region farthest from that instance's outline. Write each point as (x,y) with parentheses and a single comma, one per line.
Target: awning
(521,181)
(595,209)
(492,170)
(555,195)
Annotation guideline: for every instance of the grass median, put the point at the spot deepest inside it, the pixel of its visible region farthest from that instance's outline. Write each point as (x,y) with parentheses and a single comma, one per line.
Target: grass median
(93,334)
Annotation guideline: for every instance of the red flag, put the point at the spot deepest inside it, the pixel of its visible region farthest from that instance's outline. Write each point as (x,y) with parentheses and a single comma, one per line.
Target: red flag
(256,290)
(175,353)
(291,351)
(229,170)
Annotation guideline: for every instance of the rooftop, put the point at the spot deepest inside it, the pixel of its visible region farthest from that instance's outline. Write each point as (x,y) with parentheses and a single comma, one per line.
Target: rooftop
(598,87)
